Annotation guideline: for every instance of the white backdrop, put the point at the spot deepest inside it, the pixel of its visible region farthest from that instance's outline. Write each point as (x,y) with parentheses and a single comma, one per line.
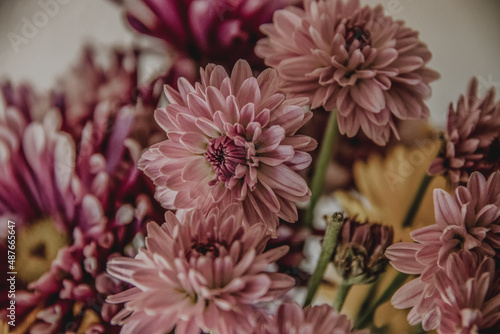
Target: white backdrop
(463,36)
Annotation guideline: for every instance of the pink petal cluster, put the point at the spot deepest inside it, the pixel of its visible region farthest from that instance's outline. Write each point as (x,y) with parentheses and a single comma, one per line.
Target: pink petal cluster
(468,221)
(290,318)
(231,139)
(205,272)
(220,31)
(96,196)
(472,137)
(356,60)
(89,83)
(469,296)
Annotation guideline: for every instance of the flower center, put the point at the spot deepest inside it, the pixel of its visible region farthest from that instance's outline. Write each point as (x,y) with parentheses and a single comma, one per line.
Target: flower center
(358,36)
(38,244)
(210,249)
(223,154)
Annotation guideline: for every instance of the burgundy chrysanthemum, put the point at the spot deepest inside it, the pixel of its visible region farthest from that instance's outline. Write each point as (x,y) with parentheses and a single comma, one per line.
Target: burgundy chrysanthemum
(468,221)
(231,140)
(73,210)
(207,31)
(472,137)
(206,272)
(290,318)
(356,60)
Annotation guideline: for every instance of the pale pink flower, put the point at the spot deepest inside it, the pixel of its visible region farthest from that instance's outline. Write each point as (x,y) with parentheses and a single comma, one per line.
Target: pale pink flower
(468,221)
(472,137)
(231,140)
(356,60)
(205,272)
(469,299)
(290,318)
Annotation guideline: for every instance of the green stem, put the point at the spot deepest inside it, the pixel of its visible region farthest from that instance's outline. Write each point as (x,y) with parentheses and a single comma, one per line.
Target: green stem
(329,139)
(333,226)
(341,295)
(367,316)
(412,210)
(370,296)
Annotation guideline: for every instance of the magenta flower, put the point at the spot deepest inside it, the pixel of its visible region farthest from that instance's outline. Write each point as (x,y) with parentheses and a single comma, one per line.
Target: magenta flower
(292,319)
(205,272)
(356,60)
(231,140)
(472,138)
(468,221)
(73,210)
(206,31)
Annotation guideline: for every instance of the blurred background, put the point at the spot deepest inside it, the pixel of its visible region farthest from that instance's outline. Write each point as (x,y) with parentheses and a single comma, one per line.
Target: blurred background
(36,47)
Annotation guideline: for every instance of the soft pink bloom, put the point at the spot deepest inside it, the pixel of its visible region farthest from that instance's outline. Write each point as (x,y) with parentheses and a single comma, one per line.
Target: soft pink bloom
(231,140)
(207,31)
(95,198)
(356,60)
(89,83)
(205,272)
(472,137)
(468,221)
(469,299)
(290,318)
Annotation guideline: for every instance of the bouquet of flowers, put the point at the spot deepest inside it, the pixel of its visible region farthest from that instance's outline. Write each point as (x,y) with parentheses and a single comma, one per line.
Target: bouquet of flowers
(278,178)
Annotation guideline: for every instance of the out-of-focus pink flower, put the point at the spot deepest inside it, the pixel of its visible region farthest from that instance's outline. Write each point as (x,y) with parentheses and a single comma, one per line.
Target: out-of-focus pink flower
(472,137)
(231,140)
(356,60)
(89,83)
(205,272)
(290,318)
(73,210)
(468,221)
(207,31)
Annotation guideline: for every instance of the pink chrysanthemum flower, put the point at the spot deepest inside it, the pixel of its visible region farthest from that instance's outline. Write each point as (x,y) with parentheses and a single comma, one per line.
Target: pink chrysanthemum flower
(468,221)
(290,318)
(356,60)
(472,137)
(205,272)
(231,140)
(207,31)
(469,299)
(73,210)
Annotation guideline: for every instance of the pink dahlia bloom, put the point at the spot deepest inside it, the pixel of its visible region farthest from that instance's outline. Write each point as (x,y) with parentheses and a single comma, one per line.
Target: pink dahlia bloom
(472,138)
(356,60)
(231,140)
(206,272)
(220,31)
(290,318)
(468,221)
(73,210)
